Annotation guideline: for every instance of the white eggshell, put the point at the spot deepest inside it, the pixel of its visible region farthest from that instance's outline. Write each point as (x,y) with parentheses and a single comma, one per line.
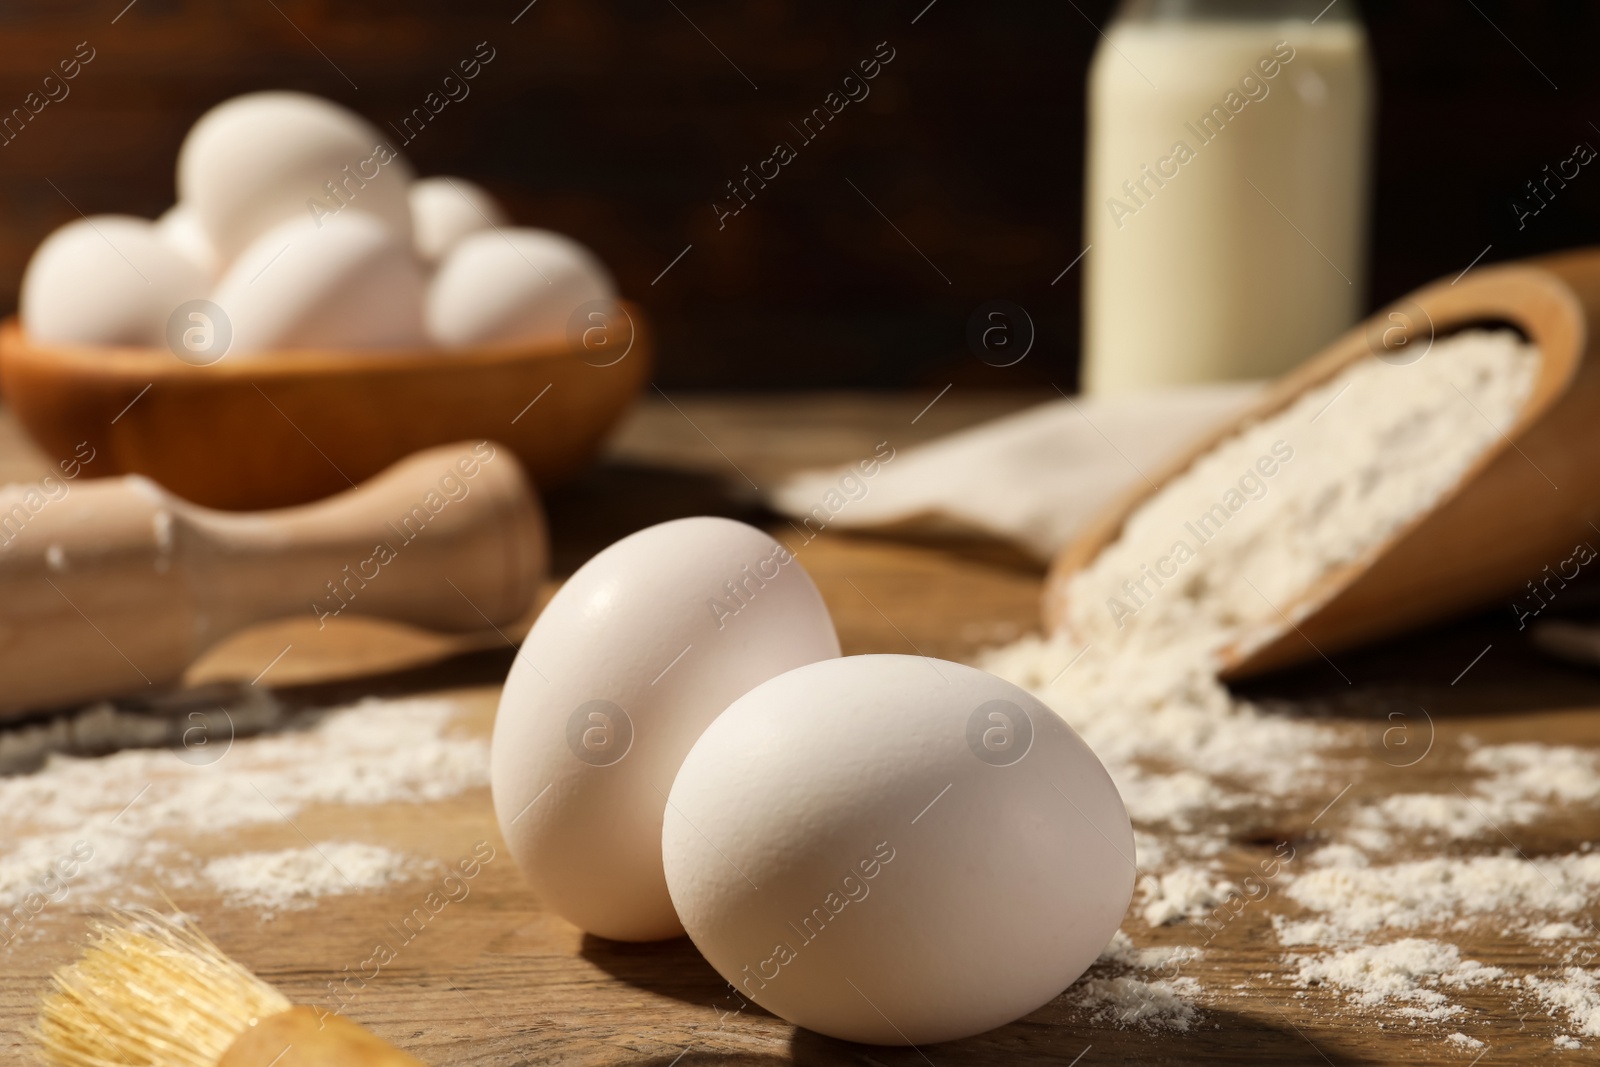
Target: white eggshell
(252,162)
(444,210)
(522,285)
(349,282)
(896,850)
(106,280)
(180,230)
(635,654)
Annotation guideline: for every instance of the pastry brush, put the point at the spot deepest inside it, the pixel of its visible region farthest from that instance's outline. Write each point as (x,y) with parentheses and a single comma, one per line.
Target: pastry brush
(153,991)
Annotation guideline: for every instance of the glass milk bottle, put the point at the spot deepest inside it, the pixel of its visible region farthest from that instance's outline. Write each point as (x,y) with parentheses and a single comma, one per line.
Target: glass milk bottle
(1226,193)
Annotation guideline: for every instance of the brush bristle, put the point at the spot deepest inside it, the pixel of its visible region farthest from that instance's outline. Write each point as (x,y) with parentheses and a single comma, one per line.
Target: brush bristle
(150,990)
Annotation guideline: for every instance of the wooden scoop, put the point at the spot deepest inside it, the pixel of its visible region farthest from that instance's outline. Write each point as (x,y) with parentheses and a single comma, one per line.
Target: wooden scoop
(1523,504)
(114,586)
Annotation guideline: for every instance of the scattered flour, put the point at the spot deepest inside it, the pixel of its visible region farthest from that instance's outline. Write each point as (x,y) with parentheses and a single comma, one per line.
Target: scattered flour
(1527,769)
(1556,932)
(1576,994)
(1408,973)
(1519,783)
(1179,754)
(296,878)
(1184,892)
(1354,899)
(1446,815)
(1110,994)
(1121,951)
(1461,1040)
(128,810)
(1128,1001)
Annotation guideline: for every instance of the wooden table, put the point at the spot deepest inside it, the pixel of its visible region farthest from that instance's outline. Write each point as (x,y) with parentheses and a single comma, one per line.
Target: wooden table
(504,983)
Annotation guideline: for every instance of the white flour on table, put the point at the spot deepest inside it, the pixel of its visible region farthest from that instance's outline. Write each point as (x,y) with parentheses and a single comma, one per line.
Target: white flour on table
(292,879)
(119,823)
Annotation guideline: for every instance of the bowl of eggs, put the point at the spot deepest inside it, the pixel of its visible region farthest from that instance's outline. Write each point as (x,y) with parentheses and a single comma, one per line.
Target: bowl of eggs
(308,313)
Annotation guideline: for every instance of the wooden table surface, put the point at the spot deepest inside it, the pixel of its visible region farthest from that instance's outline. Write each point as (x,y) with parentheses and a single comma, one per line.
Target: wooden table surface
(501,982)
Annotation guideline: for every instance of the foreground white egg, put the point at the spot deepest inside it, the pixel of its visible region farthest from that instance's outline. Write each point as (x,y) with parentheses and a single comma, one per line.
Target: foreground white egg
(635,654)
(896,850)
(522,285)
(181,231)
(350,282)
(252,162)
(444,210)
(106,280)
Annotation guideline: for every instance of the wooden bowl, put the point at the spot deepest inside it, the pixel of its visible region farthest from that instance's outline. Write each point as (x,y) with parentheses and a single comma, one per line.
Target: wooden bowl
(290,427)
(1503,522)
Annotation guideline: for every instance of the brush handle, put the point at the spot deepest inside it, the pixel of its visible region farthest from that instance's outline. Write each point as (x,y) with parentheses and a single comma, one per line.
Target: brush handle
(302,1037)
(114,586)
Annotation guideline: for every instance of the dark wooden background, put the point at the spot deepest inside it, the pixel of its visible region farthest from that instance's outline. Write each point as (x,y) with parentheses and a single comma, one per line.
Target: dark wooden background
(619,122)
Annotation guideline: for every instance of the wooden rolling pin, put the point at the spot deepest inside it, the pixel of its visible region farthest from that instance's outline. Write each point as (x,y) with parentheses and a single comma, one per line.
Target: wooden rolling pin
(114,586)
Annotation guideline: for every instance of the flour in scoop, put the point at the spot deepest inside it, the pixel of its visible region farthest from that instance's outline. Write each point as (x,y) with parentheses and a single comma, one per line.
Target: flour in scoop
(1223,552)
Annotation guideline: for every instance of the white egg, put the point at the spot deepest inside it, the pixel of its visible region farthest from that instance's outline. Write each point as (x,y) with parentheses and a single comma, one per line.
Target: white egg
(896,850)
(106,280)
(444,210)
(349,282)
(181,231)
(252,162)
(513,285)
(635,654)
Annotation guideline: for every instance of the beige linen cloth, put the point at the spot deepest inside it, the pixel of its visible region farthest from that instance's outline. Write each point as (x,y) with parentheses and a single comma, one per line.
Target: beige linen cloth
(1033,478)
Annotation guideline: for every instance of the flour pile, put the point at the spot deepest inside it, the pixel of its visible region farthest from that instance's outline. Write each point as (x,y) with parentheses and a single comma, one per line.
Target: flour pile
(107,829)
(1220,559)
